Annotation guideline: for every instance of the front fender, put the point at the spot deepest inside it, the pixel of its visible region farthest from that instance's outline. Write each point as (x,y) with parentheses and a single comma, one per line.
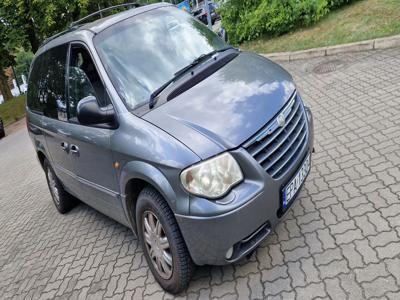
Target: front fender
(177,201)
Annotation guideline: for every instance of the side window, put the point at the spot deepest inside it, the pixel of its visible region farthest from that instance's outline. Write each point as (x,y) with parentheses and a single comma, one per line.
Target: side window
(33,99)
(83,80)
(52,83)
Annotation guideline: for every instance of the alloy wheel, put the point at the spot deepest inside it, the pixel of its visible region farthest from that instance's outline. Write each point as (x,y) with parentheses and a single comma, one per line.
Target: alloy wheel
(157,244)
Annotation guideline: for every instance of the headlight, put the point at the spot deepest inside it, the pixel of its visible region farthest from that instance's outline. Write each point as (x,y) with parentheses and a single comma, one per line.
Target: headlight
(212,178)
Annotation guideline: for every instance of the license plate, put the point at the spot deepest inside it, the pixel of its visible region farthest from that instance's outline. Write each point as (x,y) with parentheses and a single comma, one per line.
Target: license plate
(290,190)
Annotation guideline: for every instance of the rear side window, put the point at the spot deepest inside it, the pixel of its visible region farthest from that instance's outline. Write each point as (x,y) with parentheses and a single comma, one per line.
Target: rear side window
(53,83)
(33,99)
(47,84)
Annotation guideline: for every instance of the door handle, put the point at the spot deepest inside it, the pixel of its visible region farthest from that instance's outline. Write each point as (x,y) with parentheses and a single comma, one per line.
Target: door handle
(74,149)
(64,146)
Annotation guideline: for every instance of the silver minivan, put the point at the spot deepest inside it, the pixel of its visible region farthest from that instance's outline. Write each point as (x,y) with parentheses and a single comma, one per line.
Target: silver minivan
(155,121)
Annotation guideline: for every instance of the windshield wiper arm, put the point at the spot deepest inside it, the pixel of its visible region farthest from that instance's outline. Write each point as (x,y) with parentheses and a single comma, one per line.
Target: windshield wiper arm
(200,59)
(153,101)
(153,96)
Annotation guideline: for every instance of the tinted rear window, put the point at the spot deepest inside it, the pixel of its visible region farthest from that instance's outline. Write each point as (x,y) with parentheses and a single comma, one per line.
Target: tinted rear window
(33,86)
(46,92)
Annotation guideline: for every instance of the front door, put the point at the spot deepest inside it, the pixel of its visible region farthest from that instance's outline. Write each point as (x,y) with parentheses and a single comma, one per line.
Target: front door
(90,145)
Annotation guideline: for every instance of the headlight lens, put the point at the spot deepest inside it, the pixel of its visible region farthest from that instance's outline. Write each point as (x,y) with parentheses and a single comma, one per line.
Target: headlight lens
(212,178)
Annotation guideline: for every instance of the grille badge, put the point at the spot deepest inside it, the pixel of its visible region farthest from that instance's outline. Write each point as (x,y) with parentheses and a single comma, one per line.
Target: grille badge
(281,120)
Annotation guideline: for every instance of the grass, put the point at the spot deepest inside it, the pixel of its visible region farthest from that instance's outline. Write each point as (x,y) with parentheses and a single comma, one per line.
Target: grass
(361,20)
(13,110)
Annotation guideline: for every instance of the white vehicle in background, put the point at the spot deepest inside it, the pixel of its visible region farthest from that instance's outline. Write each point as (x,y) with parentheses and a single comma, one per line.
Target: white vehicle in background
(21,89)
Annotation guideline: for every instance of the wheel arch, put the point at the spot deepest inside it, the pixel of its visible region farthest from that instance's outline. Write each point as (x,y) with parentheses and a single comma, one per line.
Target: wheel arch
(41,157)
(134,177)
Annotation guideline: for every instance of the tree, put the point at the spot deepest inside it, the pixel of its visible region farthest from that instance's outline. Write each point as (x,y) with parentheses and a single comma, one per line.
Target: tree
(23,61)
(26,23)
(41,19)
(10,38)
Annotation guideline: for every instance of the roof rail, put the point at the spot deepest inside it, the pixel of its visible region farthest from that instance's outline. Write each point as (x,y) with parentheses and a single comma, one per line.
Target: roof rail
(99,12)
(56,36)
(74,25)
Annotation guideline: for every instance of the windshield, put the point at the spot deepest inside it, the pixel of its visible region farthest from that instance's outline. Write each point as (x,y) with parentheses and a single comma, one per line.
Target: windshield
(143,52)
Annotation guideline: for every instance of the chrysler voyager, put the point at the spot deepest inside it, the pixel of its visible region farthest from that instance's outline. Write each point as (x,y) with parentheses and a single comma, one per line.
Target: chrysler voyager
(155,121)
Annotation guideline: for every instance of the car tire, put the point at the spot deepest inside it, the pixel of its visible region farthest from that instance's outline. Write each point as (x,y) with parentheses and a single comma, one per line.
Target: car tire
(63,201)
(162,243)
(2,133)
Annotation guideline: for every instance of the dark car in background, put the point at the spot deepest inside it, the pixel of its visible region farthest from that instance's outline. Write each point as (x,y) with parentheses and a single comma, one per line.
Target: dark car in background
(2,132)
(152,119)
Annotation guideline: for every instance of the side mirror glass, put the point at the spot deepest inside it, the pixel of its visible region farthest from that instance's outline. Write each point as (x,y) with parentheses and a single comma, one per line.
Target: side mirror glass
(90,113)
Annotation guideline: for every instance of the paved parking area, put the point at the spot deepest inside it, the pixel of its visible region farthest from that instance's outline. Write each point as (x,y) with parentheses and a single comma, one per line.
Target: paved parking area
(341,240)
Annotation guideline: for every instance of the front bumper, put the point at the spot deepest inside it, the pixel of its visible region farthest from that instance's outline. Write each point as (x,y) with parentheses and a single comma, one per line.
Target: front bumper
(244,217)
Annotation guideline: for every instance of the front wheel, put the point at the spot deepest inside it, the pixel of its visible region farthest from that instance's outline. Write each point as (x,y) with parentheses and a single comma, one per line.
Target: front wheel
(162,242)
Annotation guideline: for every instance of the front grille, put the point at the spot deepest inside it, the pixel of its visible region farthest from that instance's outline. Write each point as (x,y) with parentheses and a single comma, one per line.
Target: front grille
(275,147)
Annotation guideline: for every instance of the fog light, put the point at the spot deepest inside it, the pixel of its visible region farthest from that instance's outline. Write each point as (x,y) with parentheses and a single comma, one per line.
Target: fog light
(229,253)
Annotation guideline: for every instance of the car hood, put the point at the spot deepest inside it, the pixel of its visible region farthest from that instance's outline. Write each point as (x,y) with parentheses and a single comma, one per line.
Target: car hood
(228,107)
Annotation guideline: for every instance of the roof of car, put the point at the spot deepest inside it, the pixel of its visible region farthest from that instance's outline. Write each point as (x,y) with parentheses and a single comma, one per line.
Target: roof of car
(103,23)
(99,25)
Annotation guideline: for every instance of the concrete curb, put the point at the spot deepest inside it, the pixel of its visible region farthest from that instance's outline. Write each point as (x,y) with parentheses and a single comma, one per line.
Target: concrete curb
(375,44)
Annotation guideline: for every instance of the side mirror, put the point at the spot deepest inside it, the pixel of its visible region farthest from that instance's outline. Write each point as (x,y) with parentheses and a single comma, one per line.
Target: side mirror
(223,34)
(90,113)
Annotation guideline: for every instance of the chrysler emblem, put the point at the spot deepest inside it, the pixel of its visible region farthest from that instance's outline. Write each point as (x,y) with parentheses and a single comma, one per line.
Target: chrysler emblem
(281,120)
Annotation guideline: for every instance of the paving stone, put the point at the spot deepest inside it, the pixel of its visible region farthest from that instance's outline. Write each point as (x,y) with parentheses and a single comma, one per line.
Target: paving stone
(352,288)
(380,286)
(256,286)
(389,251)
(371,272)
(310,271)
(352,256)
(333,269)
(296,254)
(274,273)
(333,288)
(383,238)
(243,289)
(349,236)
(277,287)
(327,240)
(311,291)
(327,256)
(393,266)
(296,273)
(342,227)
(314,244)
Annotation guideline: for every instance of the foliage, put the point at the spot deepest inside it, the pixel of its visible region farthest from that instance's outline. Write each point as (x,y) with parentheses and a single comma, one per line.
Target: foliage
(249,19)
(10,38)
(360,21)
(41,19)
(13,110)
(23,61)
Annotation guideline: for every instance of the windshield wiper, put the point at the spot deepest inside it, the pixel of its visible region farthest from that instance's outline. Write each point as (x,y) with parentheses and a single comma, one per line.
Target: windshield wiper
(153,101)
(201,58)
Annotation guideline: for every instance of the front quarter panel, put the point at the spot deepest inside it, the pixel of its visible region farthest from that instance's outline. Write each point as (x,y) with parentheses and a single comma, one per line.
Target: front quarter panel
(146,152)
